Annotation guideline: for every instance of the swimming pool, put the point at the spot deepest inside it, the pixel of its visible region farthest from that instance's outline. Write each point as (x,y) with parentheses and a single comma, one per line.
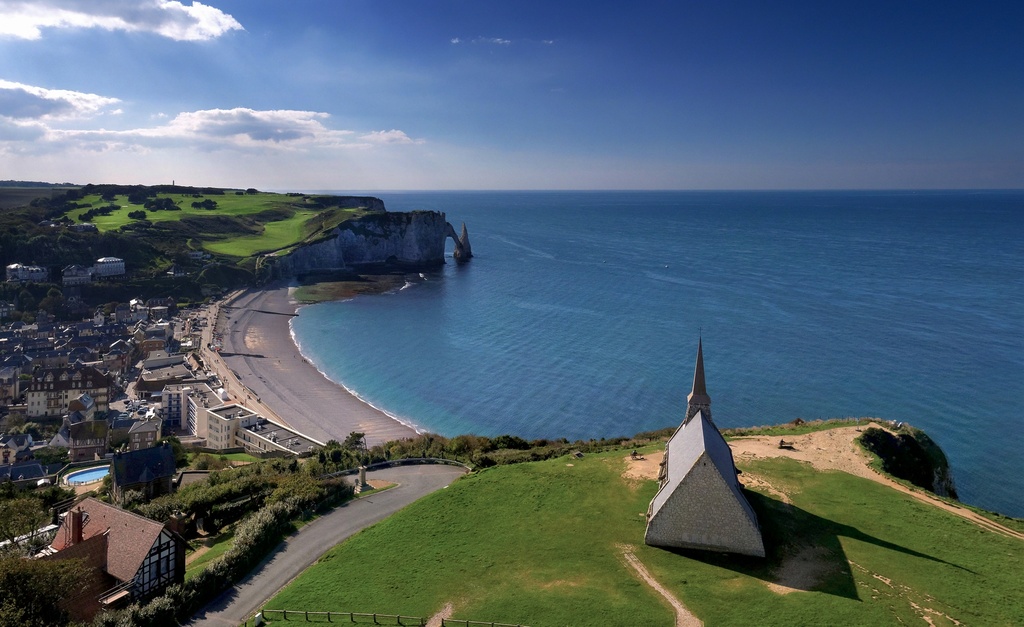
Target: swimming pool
(88,475)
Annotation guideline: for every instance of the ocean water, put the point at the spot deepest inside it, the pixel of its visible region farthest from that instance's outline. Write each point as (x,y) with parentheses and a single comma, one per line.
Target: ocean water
(580,314)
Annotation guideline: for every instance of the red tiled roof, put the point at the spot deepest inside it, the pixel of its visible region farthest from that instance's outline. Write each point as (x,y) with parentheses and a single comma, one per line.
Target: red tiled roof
(129,539)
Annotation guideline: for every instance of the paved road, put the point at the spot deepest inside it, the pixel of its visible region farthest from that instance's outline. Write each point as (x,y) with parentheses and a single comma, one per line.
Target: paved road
(302,549)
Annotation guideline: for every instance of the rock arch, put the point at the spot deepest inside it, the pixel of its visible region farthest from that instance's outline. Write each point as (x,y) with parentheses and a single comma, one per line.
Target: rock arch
(463,251)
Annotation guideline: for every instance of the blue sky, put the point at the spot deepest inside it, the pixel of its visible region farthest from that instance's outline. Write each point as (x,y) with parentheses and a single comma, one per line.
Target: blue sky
(387,95)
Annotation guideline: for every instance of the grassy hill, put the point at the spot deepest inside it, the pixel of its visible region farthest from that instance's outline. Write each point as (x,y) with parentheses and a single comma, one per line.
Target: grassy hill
(543,543)
(231,223)
(155,229)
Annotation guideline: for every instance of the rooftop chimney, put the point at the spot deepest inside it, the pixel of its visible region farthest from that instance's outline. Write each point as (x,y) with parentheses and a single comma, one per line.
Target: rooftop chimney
(75,523)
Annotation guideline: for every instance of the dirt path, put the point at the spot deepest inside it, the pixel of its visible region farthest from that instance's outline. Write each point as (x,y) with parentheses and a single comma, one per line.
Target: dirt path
(684,617)
(835,449)
(438,619)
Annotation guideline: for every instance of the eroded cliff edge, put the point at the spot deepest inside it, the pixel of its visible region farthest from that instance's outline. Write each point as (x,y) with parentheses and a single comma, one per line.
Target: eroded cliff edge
(411,240)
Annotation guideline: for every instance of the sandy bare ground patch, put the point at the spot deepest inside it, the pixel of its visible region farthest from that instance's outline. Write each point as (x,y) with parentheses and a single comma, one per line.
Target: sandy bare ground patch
(643,467)
(684,617)
(800,571)
(835,449)
(832,449)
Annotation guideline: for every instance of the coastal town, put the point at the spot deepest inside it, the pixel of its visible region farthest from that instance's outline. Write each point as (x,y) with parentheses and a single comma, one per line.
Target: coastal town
(111,406)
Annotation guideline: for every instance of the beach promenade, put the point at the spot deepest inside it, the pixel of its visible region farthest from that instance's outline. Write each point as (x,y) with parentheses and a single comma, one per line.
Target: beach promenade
(262,368)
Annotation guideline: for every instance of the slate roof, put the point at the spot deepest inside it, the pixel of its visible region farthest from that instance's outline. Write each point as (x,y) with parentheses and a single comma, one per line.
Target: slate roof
(691,440)
(129,536)
(83,402)
(88,430)
(122,423)
(22,471)
(143,466)
(142,426)
(19,441)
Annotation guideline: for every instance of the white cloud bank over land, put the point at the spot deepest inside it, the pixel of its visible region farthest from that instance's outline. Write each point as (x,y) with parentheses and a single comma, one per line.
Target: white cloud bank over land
(37,119)
(25,19)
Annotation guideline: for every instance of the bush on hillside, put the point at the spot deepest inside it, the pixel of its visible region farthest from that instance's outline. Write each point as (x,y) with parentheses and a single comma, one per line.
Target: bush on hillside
(910,458)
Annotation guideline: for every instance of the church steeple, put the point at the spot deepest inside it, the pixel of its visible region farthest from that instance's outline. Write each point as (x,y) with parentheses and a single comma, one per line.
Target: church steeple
(698,400)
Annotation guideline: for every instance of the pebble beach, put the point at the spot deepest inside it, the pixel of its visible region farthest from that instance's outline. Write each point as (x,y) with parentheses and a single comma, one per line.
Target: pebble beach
(257,346)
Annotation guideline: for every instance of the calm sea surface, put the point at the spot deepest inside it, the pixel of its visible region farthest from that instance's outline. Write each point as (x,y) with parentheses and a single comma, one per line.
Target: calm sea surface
(580,313)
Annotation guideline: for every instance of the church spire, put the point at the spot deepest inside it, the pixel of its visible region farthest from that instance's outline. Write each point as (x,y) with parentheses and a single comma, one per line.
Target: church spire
(698,400)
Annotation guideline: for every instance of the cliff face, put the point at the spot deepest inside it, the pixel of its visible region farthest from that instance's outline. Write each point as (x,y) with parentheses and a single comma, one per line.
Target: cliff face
(413,239)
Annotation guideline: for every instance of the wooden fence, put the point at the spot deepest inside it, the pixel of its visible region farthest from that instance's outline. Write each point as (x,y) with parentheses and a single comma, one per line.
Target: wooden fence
(344,617)
(371,619)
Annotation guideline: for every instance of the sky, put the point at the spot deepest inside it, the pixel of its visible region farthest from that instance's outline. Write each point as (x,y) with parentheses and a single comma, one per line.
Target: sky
(307,95)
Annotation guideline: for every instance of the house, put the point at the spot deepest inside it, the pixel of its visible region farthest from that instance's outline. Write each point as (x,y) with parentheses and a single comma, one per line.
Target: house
(17,272)
(14,447)
(128,557)
(85,405)
(123,312)
(144,433)
(88,440)
(76,275)
(117,357)
(700,502)
(10,384)
(120,425)
(108,267)
(149,470)
(51,389)
(27,474)
(153,338)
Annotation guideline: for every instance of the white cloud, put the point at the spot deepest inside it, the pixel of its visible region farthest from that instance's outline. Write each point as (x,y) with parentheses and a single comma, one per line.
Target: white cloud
(25,19)
(497,41)
(24,103)
(239,129)
(389,137)
(455,40)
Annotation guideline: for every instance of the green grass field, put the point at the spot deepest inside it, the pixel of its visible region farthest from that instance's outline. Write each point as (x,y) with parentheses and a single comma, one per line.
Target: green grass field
(539,544)
(274,221)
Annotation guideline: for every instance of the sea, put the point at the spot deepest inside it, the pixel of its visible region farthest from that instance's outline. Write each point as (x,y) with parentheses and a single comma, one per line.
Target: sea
(580,314)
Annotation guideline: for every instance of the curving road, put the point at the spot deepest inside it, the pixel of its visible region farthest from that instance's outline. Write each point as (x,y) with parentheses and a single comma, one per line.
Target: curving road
(302,549)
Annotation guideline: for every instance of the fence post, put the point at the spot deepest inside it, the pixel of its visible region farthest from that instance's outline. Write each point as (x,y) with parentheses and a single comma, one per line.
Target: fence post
(284,614)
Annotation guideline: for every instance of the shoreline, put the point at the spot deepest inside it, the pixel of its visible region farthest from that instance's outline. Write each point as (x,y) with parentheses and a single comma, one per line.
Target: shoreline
(258,346)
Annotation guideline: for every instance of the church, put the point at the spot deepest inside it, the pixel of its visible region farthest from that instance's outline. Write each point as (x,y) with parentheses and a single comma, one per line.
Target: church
(700,503)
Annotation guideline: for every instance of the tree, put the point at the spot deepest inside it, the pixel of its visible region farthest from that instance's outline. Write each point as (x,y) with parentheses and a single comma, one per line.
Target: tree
(26,301)
(355,441)
(180,454)
(21,516)
(53,301)
(51,455)
(28,589)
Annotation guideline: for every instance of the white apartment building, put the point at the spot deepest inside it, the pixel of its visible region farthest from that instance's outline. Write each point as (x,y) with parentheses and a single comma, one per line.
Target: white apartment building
(108,266)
